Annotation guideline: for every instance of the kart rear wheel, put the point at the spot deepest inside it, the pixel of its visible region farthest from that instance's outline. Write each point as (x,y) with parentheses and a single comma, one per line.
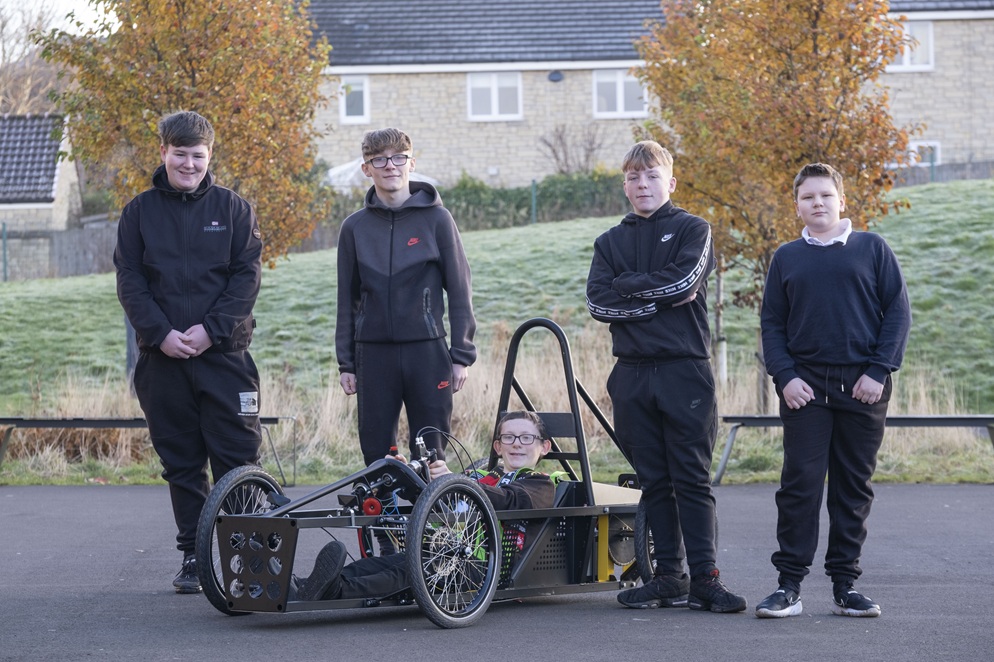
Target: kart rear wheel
(645,550)
(241,491)
(453,551)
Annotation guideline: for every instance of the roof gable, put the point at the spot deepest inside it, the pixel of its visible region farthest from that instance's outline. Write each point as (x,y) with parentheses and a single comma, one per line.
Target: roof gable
(28,158)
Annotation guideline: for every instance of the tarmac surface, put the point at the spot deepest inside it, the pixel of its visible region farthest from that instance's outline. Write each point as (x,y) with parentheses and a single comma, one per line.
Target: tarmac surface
(87,571)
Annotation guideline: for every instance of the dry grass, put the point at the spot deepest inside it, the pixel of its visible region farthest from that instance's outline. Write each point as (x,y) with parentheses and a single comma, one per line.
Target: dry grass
(327,448)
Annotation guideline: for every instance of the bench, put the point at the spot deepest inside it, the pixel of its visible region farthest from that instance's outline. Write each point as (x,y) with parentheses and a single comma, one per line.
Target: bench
(8,425)
(763,421)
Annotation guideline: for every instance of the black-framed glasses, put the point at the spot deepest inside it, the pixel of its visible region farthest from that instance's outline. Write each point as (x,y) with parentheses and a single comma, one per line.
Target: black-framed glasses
(396,159)
(525,439)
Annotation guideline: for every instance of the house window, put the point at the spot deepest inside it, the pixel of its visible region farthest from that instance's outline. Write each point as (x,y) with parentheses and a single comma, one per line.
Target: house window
(924,153)
(920,55)
(353,100)
(618,94)
(494,97)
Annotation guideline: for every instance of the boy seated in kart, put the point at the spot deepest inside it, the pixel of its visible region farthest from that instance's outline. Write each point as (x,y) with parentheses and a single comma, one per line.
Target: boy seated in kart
(521,442)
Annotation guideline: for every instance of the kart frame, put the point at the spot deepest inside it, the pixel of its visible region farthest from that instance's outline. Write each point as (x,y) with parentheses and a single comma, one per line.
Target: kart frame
(594,538)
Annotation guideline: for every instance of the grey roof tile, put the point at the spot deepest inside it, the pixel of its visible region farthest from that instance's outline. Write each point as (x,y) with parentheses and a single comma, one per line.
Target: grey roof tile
(906,6)
(391,32)
(376,32)
(28,158)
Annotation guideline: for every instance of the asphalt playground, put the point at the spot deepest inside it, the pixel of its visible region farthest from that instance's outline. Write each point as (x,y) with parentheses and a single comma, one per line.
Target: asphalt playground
(86,572)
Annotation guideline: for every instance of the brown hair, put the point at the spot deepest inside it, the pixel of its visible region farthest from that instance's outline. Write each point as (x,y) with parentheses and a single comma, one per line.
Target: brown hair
(818,170)
(185,129)
(380,140)
(525,415)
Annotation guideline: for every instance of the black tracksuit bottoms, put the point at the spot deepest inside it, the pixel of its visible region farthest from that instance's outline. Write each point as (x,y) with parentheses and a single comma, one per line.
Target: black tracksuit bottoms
(837,435)
(417,375)
(665,416)
(199,410)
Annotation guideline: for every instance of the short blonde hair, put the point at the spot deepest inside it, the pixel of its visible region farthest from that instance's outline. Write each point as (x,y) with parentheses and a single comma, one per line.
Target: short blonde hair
(645,155)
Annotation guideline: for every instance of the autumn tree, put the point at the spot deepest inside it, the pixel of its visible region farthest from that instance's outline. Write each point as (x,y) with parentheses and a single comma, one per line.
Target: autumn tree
(25,78)
(253,67)
(749,91)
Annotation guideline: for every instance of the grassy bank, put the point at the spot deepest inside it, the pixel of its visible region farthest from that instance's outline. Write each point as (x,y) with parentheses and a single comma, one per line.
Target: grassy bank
(62,349)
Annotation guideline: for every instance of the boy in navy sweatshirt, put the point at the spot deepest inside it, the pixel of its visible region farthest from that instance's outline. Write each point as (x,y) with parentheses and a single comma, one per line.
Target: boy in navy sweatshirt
(835,322)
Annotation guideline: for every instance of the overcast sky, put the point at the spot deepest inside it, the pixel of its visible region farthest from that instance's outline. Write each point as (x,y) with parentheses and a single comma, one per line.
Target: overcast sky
(61,7)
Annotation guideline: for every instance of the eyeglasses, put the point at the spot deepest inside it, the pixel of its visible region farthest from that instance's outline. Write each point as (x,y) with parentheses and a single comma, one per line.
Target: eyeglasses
(396,159)
(525,439)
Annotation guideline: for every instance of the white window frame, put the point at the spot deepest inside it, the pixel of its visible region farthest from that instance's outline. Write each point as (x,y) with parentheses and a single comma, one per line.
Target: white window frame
(902,63)
(914,147)
(493,115)
(350,81)
(620,77)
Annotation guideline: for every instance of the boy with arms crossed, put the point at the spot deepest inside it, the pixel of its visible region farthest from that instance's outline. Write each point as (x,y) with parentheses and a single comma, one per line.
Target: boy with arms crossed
(648,281)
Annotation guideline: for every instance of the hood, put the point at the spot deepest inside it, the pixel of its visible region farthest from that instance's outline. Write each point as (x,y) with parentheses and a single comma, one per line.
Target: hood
(160,180)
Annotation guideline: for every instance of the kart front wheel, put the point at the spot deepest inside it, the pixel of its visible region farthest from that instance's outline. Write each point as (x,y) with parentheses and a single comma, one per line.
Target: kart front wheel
(453,551)
(241,491)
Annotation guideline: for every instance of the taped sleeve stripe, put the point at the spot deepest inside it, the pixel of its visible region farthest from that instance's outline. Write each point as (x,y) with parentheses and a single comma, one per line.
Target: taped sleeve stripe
(601,312)
(687,283)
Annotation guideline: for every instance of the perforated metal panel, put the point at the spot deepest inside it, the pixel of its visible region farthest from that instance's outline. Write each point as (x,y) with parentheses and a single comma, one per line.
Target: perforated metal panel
(256,560)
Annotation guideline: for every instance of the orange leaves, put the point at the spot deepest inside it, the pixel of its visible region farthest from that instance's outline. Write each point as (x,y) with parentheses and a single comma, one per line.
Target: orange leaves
(248,66)
(751,90)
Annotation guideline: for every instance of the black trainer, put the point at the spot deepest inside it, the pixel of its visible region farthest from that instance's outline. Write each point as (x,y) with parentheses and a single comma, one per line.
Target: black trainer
(186,579)
(849,602)
(707,593)
(325,581)
(661,591)
(781,603)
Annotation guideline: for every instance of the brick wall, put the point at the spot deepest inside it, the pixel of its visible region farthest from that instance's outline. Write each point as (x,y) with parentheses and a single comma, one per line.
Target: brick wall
(433,112)
(955,99)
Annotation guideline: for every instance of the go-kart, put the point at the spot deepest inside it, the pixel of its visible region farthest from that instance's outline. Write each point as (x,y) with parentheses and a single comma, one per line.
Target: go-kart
(594,538)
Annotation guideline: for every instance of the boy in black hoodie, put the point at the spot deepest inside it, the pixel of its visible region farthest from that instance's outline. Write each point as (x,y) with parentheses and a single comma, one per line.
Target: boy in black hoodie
(188,262)
(648,281)
(400,258)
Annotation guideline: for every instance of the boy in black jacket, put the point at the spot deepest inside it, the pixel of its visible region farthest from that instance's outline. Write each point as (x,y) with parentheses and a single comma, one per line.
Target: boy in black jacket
(188,272)
(648,281)
(400,259)
(835,323)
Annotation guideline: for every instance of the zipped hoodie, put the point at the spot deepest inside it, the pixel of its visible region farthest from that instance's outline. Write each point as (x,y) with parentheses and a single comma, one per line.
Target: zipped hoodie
(396,267)
(640,269)
(186,258)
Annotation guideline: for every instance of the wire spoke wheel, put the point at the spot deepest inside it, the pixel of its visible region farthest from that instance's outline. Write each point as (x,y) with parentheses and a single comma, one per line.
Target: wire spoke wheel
(453,551)
(241,491)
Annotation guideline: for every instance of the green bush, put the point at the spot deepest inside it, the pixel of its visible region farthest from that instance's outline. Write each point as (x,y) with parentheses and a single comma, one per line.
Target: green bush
(476,206)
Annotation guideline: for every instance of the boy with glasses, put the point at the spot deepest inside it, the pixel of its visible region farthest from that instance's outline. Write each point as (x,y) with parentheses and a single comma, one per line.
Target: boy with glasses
(514,485)
(400,259)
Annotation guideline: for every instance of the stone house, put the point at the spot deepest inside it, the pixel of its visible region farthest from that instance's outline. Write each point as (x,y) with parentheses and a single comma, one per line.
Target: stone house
(947,81)
(506,92)
(40,199)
